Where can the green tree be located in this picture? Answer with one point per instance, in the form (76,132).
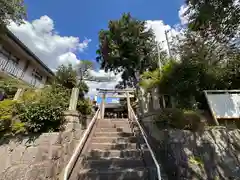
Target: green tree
(66,76)
(218,19)
(203,65)
(127,47)
(83,69)
(11,10)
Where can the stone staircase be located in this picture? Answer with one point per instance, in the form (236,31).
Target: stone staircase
(112,153)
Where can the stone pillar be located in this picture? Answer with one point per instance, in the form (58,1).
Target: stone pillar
(74,99)
(103,105)
(128,105)
(18,94)
(155,99)
(72,120)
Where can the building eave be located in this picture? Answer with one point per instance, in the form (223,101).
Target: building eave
(28,51)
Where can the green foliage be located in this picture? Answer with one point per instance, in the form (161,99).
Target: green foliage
(6,113)
(179,119)
(29,96)
(202,66)
(40,117)
(218,19)
(9,85)
(11,10)
(127,47)
(56,96)
(66,76)
(18,128)
(83,69)
(84,107)
(150,79)
(173,118)
(43,111)
(83,89)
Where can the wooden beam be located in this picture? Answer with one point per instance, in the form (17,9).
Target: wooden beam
(223,91)
(118,96)
(115,90)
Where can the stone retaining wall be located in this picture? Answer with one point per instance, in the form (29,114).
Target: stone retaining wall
(210,154)
(38,158)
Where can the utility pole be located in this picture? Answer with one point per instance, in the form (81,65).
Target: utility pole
(169,50)
(159,56)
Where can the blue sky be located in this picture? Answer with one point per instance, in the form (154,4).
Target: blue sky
(62,32)
(82,18)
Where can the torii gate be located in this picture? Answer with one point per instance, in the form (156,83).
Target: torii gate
(103,93)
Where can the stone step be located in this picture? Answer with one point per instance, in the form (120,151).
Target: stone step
(109,129)
(115,119)
(122,174)
(107,139)
(113,163)
(123,127)
(113,146)
(113,134)
(104,123)
(98,153)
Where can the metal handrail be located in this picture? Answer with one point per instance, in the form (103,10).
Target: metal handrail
(80,146)
(146,141)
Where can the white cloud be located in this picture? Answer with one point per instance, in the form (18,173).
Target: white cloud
(181,13)
(53,49)
(159,29)
(104,85)
(42,39)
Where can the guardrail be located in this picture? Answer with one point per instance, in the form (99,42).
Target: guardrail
(80,146)
(133,117)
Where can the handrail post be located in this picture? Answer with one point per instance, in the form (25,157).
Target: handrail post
(103,106)
(134,117)
(78,149)
(128,105)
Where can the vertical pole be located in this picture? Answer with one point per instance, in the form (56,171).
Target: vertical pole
(168,45)
(103,105)
(159,57)
(128,105)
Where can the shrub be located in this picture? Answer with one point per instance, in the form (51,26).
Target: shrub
(43,111)
(40,117)
(170,118)
(179,119)
(18,128)
(193,120)
(6,113)
(55,95)
(29,95)
(84,107)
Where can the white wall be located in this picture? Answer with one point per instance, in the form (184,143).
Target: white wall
(17,70)
(30,79)
(225,105)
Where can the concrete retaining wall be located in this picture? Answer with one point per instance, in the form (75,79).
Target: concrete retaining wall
(39,158)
